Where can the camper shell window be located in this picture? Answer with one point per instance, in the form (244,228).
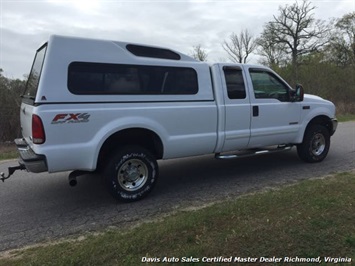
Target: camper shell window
(97,78)
(33,79)
(153,52)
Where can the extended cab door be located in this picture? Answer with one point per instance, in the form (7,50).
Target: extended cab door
(237,108)
(275,118)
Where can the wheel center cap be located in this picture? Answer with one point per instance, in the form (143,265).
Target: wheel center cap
(132,173)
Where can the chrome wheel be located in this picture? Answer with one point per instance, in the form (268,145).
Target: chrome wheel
(318,144)
(132,175)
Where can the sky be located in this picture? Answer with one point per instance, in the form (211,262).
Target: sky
(176,24)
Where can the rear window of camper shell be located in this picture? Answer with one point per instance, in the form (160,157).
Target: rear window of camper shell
(33,78)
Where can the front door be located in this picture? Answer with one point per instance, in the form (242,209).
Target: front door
(275,119)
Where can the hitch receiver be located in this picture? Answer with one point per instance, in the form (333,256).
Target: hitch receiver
(11,170)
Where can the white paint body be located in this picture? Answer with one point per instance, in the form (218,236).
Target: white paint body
(187,125)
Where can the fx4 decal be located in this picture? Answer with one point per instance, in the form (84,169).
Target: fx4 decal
(71,118)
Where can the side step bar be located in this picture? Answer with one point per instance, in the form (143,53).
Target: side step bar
(253,152)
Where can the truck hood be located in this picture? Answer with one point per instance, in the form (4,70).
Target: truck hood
(327,106)
(314,98)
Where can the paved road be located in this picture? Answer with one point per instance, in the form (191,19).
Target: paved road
(38,207)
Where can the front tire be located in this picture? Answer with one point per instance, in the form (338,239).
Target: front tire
(131,173)
(315,145)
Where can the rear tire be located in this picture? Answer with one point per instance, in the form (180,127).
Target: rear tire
(131,173)
(315,145)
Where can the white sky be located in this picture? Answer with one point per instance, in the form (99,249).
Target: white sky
(175,24)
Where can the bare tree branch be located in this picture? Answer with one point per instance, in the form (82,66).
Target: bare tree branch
(199,53)
(295,31)
(240,46)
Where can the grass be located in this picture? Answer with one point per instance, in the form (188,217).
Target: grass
(8,151)
(346,117)
(309,219)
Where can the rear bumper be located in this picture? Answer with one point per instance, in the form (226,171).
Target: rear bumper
(33,162)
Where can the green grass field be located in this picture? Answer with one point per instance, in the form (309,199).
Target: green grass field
(8,151)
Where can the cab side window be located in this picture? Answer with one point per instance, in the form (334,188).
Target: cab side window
(235,83)
(268,86)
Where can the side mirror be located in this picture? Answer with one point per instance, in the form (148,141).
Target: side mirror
(297,94)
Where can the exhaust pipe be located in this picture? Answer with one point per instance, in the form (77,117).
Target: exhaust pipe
(72,179)
(73,175)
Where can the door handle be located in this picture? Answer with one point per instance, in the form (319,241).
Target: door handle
(255,111)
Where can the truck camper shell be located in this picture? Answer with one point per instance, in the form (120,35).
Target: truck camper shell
(155,73)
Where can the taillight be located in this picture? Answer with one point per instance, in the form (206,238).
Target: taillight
(38,135)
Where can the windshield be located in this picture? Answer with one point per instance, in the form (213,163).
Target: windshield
(33,79)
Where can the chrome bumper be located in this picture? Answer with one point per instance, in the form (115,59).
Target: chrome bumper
(33,162)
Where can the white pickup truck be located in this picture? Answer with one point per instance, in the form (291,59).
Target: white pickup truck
(116,107)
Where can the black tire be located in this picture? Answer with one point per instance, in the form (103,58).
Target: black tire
(131,173)
(315,145)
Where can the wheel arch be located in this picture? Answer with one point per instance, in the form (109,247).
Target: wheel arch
(321,120)
(131,136)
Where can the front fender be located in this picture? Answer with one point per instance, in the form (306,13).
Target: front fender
(317,115)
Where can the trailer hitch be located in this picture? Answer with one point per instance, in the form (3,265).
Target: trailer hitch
(11,170)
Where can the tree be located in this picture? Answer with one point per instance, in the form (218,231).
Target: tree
(240,46)
(296,32)
(10,90)
(273,55)
(341,49)
(199,54)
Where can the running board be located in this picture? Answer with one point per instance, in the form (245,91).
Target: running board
(253,152)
